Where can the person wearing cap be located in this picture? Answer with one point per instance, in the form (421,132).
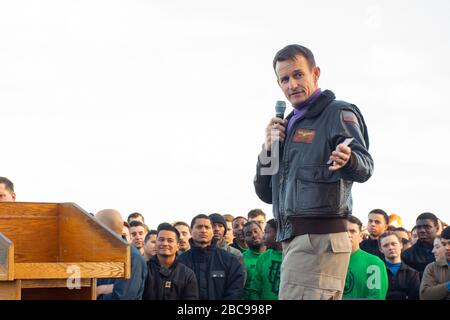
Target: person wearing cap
(220,230)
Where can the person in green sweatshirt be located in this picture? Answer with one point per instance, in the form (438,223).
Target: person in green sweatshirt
(266,280)
(254,239)
(366,275)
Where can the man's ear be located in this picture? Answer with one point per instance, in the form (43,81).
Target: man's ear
(13,196)
(316,74)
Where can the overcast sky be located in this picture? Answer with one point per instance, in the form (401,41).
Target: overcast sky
(160,106)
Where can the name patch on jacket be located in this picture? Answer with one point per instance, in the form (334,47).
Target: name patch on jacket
(304,135)
(349,116)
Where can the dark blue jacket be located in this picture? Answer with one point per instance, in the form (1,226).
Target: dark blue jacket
(404,285)
(128,289)
(219,274)
(301,187)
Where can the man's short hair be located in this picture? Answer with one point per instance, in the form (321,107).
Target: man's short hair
(352,219)
(150,233)
(429,216)
(387,234)
(126,224)
(240,217)
(248,224)
(446,234)
(254,213)
(8,184)
(381,212)
(199,216)
(181,223)
(135,215)
(228,217)
(136,223)
(290,51)
(168,227)
(271,223)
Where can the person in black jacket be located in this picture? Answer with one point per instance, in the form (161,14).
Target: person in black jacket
(167,278)
(421,253)
(306,170)
(378,221)
(404,282)
(219,274)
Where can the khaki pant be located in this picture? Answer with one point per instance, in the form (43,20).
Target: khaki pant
(314,267)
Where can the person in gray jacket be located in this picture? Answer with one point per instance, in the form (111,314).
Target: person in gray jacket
(306,169)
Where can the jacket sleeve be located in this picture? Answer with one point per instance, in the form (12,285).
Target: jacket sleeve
(429,288)
(349,123)
(131,289)
(191,287)
(262,181)
(235,280)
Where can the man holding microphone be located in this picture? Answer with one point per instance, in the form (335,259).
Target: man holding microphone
(306,170)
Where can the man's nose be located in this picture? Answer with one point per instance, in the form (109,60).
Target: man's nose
(293,84)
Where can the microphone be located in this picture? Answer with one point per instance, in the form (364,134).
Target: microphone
(280,106)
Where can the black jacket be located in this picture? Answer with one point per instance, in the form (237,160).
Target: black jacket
(219,274)
(404,285)
(176,283)
(302,186)
(371,246)
(418,256)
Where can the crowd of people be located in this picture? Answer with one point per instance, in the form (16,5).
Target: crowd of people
(219,256)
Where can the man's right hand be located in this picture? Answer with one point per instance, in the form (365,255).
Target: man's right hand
(275,131)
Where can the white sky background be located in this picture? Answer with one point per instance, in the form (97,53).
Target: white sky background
(160,106)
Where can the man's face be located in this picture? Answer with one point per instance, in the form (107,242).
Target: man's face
(426,230)
(446,244)
(166,243)
(150,245)
(185,235)
(6,195)
(376,225)
(391,247)
(254,237)
(260,220)
(126,234)
(137,236)
(269,236)
(229,235)
(202,232)
(238,225)
(354,235)
(218,230)
(296,79)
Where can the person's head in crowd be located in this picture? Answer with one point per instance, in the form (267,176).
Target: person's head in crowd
(126,232)
(438,248)
(441,226)
(136,216)
(219,226)
(414,236)
(445,242)
(137,233)
(238,226)
(364,233)
(405,237)
(229,235)
(202,232)
(258,216)
(391,246)
(354,226)
(167,242)
(185,234)
(254,236)
(150,244)
(112,219)
(427,227)
(270,235)
(395,220)
(7,193)
(378,221)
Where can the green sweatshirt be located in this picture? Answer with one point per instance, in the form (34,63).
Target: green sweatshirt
(266,279)
(366,277)
(250,258)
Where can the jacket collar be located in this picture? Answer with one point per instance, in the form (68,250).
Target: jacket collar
(211,246)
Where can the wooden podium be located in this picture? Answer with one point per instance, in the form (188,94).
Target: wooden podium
(56,251)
